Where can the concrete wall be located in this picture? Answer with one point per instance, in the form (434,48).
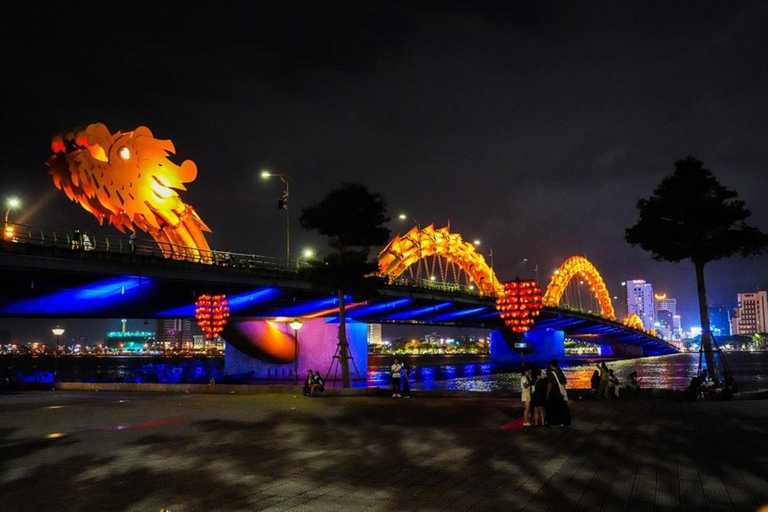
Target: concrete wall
(542,345)
(317,346)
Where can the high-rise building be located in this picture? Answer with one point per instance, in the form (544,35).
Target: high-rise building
(640,302)
(665,324)
(664,302)
(751,316)
(677,327)
(174,333)
(374,334)
(719,320)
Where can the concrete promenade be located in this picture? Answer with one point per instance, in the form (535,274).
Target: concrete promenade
(81,451)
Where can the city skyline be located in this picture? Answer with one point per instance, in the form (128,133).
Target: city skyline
(533,128)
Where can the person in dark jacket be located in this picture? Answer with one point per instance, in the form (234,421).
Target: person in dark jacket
(558,413)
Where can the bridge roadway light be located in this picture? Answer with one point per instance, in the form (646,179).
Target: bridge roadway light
(307,254)
(296,325)
(282,204)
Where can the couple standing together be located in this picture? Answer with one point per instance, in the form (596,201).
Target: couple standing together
(546,395)
(401,386)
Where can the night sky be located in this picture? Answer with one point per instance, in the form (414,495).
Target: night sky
(534,127)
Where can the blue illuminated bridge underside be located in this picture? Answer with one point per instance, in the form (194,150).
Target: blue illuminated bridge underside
(49,282)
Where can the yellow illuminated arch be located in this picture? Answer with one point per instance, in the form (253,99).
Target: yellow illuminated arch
(406,250)
(568,270)
(634,321)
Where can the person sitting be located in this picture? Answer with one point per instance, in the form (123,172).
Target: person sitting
(613,385)
(692,391)
(729,386)
(317,385)
(633,386)
(308,383)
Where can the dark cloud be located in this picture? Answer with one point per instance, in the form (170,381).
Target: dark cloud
(533,126)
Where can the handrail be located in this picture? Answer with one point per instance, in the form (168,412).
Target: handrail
(78,242)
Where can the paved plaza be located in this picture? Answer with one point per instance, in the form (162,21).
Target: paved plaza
(82,451)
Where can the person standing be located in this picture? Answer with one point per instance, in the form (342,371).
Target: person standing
(539,397)
(395,369)
(595,382)
(558,413)
(406,383)
(87,242)
(602,390)
(132,243)
(525,396)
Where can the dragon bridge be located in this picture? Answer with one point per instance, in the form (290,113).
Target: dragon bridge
(127,179)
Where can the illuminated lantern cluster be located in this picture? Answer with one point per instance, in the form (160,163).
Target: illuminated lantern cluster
(211,313)
(520,304)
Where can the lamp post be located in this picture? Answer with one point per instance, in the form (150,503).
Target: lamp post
(282,204)
(57,331)
(296,325)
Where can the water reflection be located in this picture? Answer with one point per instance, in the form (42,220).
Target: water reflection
(665,372)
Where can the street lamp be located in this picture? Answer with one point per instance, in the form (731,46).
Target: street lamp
(307,254)
(57,331)
(282,204)
(10,203)
(296,325)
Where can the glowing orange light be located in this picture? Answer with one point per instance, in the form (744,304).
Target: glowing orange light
(127,179)
(404,251)
(573,266)
(211,313)
(519,304)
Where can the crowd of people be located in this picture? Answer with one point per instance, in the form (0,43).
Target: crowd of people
(544,397)
(704,387)
(605,383)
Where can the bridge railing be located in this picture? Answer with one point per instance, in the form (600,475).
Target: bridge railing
(81,241)
(432,285)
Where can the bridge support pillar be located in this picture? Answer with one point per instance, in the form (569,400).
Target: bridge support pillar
(261,349)
(542,345)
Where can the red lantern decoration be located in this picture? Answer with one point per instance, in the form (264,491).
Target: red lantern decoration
(520,303)
(211,313)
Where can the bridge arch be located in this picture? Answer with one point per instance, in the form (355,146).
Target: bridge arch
(579,265)
(418,244)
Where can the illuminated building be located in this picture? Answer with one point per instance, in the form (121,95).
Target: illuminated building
(374,334)
(640,302)
(751,317)
(719,320)
(174,333)
(129,341)
(664,302)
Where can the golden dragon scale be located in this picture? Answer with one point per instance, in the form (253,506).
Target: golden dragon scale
(127,179)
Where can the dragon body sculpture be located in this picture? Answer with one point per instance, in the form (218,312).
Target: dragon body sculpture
(127,179)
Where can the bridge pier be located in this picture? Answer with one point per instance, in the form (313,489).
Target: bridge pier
(265,349)
(542,345)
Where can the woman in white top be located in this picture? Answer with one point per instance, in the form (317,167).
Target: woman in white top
(525,385)
(396,368)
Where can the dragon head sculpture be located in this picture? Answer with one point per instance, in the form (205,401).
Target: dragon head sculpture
(127,179)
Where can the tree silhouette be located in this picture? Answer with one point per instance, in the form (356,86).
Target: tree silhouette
(691,216)
(352,217)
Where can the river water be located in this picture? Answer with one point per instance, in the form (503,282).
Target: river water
(444,372)
(664,372)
